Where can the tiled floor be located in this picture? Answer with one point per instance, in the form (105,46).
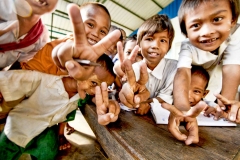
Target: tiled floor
(84,144)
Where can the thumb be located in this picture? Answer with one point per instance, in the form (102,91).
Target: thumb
(196,110)
(105,119)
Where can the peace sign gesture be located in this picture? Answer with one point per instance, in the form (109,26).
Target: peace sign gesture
(79,48)
(134,92)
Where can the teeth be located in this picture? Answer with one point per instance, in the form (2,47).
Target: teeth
(91,41)
(42,3)
(208,41)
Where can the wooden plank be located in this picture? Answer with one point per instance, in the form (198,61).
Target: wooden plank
(138,137)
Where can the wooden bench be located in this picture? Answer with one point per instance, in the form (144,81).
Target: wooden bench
(138,137)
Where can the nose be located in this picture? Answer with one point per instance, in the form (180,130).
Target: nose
(207,30)
(190,98)
(155,44)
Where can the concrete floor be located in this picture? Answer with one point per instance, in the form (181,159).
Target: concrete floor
(84,144)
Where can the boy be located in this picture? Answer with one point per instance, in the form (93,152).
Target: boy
(154,38)
(22,33)
(47,101)
(213,41)
(96,23)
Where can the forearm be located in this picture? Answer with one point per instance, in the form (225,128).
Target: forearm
(181,89)
(231,81)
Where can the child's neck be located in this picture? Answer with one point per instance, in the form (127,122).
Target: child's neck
(215,52)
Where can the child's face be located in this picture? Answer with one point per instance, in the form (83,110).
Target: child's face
(209,24)
(97,23)
(100,75)
(128,49)
(154,48)
(41,7)
(197,89)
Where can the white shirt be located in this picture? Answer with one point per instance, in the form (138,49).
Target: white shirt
(46,104)
(7,17)
(229,53)
(160,81)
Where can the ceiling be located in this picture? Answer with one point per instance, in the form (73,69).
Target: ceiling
(126,14)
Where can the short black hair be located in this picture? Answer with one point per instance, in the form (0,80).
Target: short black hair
(107,63)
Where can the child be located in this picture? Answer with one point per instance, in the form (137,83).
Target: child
(47,101)
(96,20)
(22,33)
(213,39)
(128,46)
(112,51)
(154,38)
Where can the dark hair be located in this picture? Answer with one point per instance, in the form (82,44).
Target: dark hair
(155,24)
(97,5)
(188,5)
(123,33)
(131,38)
(201,72)
(107,63)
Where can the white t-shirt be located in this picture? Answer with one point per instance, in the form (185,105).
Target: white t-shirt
(46,103)
(160,81)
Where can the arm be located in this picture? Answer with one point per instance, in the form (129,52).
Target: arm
(181,88)
(231,81)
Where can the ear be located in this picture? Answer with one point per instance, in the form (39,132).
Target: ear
(233,23)
(205,93)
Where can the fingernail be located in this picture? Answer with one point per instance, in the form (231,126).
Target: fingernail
(137,99)
(112,115)
(70,65)
(137,106)
(231,118)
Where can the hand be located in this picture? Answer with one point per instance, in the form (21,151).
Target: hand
(118,66)
(231,112)
(190,120)
(131,87)
(210,111)
(64,53)
(107,110)
(143,108)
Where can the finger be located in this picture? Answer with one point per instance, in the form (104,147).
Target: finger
(220,113)
(98,97)
(192,128)
(197,109)
(173,110)
(105,119)
(77,71)
(129,73)
(123,100)
(55,56)
(173,125)
(224,100)
(106,42)
(143,74)
(77,24)
(134,54)
(141,97)
(114,107)
(232,114)
(238,117)
(118,70)
(120,52)
(104,93)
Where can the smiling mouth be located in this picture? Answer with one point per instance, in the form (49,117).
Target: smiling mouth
(209,40)
(41,2)
(153,54)
(91,41)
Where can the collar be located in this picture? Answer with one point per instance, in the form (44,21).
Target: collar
(158,70)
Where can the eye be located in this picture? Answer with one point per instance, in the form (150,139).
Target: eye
(163,41)
(128,53)
(217,19)
(90,25)
(148,39)
(93,84)
(197,91)
(196,25)
(103,32)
